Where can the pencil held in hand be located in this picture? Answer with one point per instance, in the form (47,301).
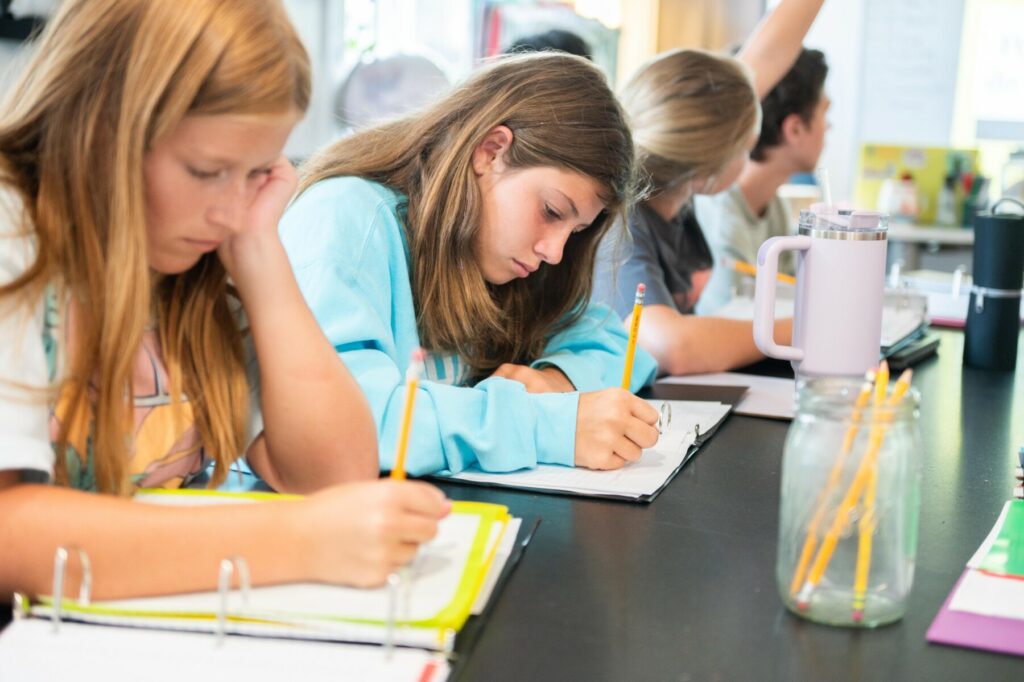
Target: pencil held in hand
(749,269)
(412,380)
(634,330)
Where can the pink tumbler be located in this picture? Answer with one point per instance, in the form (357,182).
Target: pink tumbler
(840,287)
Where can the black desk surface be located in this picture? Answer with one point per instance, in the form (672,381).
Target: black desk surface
(684,588)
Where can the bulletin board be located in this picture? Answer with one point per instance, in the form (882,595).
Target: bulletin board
(928,165)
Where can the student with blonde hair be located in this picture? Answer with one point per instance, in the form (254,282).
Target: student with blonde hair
(737,221)
(141,182)
(471,229)
(695,116)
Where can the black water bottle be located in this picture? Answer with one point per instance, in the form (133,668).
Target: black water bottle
(993,312)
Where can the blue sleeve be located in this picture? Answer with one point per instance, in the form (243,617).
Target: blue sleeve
(592,352)
(350,263)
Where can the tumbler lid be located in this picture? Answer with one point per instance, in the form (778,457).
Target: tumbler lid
(831,223)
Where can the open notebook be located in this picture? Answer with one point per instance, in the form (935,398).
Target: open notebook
(689,423)
(449,581)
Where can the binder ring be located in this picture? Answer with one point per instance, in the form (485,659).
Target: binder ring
(19,606)
(394,580)
(60,562)
(227,569)
(665,417)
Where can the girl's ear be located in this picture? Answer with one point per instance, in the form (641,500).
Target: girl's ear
(488,155)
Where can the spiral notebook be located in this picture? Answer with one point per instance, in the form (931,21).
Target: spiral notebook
(450,580)
(686,426)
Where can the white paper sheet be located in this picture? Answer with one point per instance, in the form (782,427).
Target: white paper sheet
(506,545)
(634,480)
(768,396)
(990,595)
(30,651)
(435,576)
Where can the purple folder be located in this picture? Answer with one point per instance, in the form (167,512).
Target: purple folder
(974,631)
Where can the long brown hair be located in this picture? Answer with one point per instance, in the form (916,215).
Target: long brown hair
(109,79)
(562,114)
(691,112)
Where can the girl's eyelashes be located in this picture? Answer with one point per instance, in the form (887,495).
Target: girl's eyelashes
(202,174)
(551,213)
(214,174)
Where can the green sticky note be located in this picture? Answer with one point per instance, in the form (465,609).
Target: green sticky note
(1006,555)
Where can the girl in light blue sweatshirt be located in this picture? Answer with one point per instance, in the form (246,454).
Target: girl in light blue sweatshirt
(471,229)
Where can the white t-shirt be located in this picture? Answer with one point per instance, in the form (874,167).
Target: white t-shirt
(24,413)
(166,445)
(734,232)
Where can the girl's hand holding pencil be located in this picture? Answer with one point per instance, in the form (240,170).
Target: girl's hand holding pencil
(359,533)
(613,427)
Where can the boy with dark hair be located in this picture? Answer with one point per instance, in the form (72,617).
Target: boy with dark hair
(737,221)
(555,39)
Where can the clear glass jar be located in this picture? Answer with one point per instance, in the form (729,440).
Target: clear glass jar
(850,493)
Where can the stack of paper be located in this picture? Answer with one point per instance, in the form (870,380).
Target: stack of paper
(986,608)
(640,480)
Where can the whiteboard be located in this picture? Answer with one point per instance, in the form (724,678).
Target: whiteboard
(998,79)
(911,52)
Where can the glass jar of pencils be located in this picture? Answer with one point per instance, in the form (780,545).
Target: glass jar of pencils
(849,501)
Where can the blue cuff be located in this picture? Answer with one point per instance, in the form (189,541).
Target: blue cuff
(584,373)
(556,427)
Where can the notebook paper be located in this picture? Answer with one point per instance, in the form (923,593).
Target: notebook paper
(441,587)
(771,397)
(30,650)
(635,480)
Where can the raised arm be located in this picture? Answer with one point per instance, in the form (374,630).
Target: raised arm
(318,429)
(775,43)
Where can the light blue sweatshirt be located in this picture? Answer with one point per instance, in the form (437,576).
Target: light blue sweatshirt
(347,246)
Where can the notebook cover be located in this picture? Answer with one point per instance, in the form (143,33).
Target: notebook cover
(975,631)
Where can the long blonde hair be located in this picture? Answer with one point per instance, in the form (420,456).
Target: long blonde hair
(109,79)
(562,114)
(691,112)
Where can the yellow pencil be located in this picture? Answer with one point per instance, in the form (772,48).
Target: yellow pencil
(853,493)
(833,480)
(750,269)
(866,527)
(634,330)
(412,380)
